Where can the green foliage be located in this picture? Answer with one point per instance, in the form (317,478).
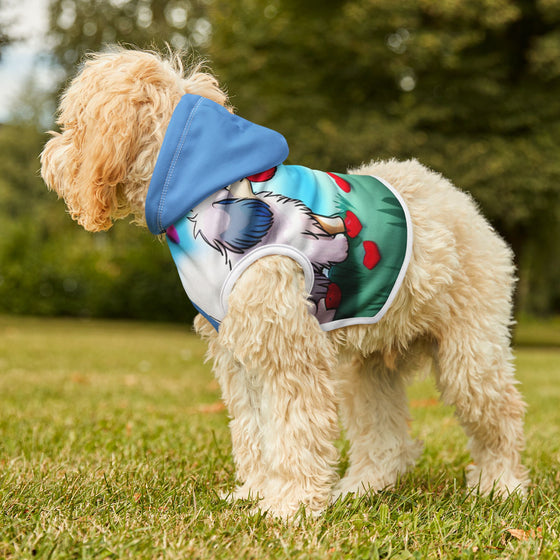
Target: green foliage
(118,274)
(50,266)
(5,38)
(79,26)
(471,89)
(114,445)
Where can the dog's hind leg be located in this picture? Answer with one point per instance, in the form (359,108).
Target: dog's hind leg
(474,373)
(375,414)
(286,427)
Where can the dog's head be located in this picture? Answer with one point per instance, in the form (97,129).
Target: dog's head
(113,117)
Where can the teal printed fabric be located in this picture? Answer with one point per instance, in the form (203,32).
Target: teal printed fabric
(351,234)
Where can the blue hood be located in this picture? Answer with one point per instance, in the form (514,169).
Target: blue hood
(205,149)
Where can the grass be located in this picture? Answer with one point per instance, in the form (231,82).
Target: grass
(113,444)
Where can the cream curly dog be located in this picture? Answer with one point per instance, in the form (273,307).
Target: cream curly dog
(286,362)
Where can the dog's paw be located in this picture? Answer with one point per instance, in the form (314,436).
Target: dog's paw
(243,492)
(497,481)
(293,512)
(373,474)
(358,486)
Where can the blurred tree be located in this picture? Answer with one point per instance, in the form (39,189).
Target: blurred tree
(5,22)
(471,89)
(19,182)
(6,37)
(50,266)
(80,26)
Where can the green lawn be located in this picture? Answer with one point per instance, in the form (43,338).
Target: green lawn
(113,444)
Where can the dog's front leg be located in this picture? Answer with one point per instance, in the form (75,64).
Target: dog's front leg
(285,424)
(241,393)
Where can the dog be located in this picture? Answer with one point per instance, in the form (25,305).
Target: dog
(287,367)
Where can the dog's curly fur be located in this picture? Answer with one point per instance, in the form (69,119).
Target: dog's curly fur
(284,380)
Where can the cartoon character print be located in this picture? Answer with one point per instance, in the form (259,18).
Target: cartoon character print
(236,220)
(352,235)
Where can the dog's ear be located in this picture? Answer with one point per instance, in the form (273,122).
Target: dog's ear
(113,118)
(89,162)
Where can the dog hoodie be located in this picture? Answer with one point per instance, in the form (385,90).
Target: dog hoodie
(223,195)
